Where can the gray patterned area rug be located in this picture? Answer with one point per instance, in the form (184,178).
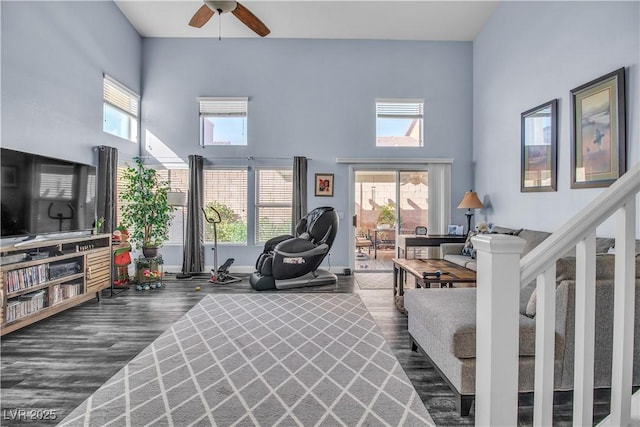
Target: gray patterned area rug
(370,280)
(262,359)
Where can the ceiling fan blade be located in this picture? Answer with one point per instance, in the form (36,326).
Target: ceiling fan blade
(250,20)
(201,16)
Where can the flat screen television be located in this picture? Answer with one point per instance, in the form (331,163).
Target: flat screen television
(42,195)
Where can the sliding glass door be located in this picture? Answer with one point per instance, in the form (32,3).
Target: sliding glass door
(388,203)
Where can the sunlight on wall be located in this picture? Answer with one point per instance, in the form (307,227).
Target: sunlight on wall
(163,154)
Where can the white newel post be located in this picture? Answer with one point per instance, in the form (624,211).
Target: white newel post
(497,328)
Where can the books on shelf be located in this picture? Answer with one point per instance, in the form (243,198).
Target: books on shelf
(25,305)
(27,277)
(64,291)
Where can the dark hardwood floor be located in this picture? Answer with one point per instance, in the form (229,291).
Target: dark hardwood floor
(55,364)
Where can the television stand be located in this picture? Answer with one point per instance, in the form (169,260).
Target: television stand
(43,276)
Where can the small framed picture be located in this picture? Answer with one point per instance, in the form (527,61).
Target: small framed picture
(456,230)
(324,184)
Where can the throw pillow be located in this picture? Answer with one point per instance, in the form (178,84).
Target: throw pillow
(467,249)
(531,305)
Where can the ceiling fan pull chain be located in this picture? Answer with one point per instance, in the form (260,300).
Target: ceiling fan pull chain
(219,24)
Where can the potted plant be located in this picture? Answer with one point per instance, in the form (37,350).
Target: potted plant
(145,212)
(387,216)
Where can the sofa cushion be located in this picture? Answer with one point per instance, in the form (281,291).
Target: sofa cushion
(461,260)
(472,265)
(566,270)
(450,315)
(532,238)
(605,267)
(603,245)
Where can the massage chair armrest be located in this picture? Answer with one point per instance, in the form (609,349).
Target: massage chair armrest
(294,246)
(270,244)
(314,251)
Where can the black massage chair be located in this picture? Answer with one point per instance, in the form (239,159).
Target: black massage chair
(293,261)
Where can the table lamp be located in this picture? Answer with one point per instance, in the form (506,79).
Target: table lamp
(470,201)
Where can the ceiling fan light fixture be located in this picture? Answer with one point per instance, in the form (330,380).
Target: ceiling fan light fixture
(221,6)
(244,15)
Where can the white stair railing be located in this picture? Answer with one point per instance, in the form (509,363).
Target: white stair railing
(500,266)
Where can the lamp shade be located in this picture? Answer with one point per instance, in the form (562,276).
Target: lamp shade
(177,198)
(470,201)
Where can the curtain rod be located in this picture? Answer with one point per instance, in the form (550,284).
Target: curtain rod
(250,158)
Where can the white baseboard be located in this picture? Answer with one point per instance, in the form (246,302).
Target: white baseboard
(243,269)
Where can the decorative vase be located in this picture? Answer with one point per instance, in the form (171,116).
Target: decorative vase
(150,251)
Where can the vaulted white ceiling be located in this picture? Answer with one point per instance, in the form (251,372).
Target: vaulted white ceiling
(318,19)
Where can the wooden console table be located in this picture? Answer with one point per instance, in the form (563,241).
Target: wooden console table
(434,240)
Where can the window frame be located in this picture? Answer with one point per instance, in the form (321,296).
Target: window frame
(112,89)
(402,107)
(223,107)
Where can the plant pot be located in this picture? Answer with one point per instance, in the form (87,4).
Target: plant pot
(150,251)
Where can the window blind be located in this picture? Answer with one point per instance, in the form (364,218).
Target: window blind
(121,97)
(224,107)
(226,191)
(400,109)
(274,192)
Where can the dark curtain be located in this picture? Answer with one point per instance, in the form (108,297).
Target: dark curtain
(299,201)
(193,250)
(107,194)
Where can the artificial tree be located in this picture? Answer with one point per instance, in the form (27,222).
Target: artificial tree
(145,209)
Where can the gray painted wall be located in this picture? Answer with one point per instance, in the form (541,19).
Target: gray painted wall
(308,97)
(529,53)
(53,57)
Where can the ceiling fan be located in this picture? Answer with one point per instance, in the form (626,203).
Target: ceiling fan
(210,7)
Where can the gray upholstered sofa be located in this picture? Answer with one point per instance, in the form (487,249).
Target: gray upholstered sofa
(453,251)
(442,323)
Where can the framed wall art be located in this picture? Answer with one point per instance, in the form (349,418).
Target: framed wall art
(598,131)
(539,141)
(324,184)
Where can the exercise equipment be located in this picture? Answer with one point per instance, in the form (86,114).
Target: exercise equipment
(219,275)
(292,261)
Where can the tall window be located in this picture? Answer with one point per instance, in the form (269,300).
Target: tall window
(399,122)
(274,193)
(223,121)
(225,190)
(121,110)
